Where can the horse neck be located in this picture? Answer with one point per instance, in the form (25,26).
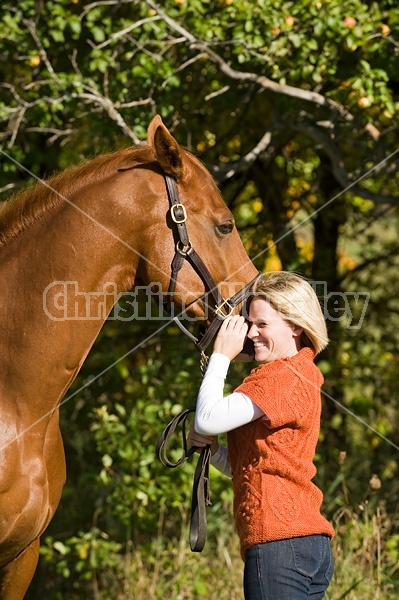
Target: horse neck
(41,351)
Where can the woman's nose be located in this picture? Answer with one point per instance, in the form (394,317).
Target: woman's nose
(252,331)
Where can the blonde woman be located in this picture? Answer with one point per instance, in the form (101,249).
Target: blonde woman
(272,422)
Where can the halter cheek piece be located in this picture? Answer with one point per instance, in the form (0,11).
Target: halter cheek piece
(221,308)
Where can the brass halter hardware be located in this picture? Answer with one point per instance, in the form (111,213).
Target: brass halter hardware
(219,310)
(174,209)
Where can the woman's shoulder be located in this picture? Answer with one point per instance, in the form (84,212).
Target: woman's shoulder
(298,366)
(304,357)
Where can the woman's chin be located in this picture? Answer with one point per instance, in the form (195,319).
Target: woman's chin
(263,355)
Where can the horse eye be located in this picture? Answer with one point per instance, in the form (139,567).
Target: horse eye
(226,227)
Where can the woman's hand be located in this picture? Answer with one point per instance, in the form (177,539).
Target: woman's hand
(198,440)
(231,337)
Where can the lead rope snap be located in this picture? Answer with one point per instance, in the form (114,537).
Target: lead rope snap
(204,359)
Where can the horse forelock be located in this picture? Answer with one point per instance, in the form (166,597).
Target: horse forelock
(31,204)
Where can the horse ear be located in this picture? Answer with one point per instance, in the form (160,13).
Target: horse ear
(167,151)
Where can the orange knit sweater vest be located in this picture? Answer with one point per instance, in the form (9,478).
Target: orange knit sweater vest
(272,457)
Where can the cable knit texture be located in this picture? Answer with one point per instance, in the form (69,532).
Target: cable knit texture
(272,457)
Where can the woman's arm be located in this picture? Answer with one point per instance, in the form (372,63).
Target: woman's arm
(219,454)
(216,413)
(221,461)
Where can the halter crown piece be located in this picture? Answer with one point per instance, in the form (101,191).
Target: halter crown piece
(223,307)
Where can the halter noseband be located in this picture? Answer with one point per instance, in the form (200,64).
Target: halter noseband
(223,307)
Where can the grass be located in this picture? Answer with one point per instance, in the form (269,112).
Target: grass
(366,564)
(162,567)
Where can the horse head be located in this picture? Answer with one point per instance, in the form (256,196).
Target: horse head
(210,231)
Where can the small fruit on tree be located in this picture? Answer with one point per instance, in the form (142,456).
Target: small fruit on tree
(350,22)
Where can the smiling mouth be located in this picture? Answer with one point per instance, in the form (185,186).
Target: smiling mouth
(259,345)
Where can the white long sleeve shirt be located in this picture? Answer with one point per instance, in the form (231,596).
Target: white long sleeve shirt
(216,414)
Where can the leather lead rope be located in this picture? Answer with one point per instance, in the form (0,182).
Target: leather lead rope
(201,488)
(200,500)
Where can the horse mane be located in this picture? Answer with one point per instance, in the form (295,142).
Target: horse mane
(29,205)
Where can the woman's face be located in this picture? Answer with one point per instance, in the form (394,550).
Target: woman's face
(273,337)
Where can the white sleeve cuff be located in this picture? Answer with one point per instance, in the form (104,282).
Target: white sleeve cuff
(220,460)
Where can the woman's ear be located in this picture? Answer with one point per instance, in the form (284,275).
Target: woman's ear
(297,331)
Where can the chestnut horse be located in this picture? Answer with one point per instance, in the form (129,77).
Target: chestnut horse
(104,222)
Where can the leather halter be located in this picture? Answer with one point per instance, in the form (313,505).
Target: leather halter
(223,307)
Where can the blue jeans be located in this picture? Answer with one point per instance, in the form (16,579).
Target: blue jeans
(293,569)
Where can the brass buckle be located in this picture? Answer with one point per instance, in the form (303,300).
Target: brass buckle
(182,249)
(219,307)
(175,218)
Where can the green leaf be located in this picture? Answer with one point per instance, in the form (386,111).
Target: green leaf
(60,548)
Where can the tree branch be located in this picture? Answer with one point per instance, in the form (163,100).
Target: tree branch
(8,187)
(89,96)
(92,5)
(261,80)
(345,180)
(389,256)
(42,53)
(125,31)
(228,171)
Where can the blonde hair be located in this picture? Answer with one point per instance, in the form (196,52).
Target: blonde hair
(296,302)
